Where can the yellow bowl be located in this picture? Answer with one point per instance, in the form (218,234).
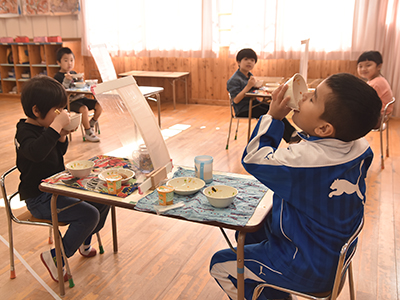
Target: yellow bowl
(80,168)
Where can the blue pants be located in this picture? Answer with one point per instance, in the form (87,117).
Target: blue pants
(84,219)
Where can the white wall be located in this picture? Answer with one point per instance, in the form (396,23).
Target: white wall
(65,26)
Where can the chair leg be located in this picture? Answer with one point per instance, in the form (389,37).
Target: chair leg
(387,138)
(381,144)
(237,129)
(50,235)
(70,279)
(229,134)
(83,132)
(351,282)
(11,248)
(97,127)
(100,244)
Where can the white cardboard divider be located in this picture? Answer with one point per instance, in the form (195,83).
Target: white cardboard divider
(103,62)
(144,119)
(304,58)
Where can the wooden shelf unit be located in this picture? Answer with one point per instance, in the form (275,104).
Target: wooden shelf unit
(41,60)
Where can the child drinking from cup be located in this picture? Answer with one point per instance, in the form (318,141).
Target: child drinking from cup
(318,185)
(41,143)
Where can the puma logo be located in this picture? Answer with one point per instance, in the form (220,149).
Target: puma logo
(261,272)
(340,186)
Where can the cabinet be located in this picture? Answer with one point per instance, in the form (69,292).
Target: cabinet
(21,61)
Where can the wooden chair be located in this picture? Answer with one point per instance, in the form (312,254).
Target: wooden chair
(385,126)
(26,218)
(344,266)
(233,116)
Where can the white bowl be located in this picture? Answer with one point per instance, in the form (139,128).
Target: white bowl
(80,84)
(80,168)
(186,185)
(259,83)
(126,174)
(77,76)
(220,195)
(91,81)
(75,121)
(297,88)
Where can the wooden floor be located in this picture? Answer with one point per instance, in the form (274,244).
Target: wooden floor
(160,258)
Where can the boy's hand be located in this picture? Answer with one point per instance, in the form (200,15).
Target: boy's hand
(278,108)
(252,82)
(68,76)
(60,121)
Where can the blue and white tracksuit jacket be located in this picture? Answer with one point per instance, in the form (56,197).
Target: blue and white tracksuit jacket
(318,202)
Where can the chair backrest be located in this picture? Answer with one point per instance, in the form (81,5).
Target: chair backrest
(24,218)
(103,62)
(345,259)
(344,263)
(387,106)
(7,198)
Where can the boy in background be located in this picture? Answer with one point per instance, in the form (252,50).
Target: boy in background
(319,189)
(369,66)
(242,82)
(41,143)
(79,103)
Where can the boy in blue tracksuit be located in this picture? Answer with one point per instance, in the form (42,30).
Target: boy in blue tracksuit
(318,184)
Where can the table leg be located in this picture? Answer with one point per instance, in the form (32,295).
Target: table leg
(114,228)
(68,108)
(173,91)
(57,243)
(240,265)
(250,111)
(186,96)
(159,109)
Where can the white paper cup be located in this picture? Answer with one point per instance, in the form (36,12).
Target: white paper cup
(297,88)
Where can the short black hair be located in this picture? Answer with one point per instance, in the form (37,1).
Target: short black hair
(353,107)
(61,52)
(44,92)
(246,52)
(374,56)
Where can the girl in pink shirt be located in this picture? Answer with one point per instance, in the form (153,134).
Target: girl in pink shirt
(369,66)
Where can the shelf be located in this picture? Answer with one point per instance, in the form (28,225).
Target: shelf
(9,79)
(7,65)
(38,65)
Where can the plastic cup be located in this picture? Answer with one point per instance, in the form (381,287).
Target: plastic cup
(114,184)
(203,165)
(165,195)
(297,88)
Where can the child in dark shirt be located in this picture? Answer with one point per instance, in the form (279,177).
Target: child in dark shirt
(79,103)
(242,82)
(41,143)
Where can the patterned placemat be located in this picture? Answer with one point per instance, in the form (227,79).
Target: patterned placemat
(197,207)
(92,182)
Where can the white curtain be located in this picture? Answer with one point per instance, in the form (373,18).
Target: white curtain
(340,29)
(277,27)
(174,28)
